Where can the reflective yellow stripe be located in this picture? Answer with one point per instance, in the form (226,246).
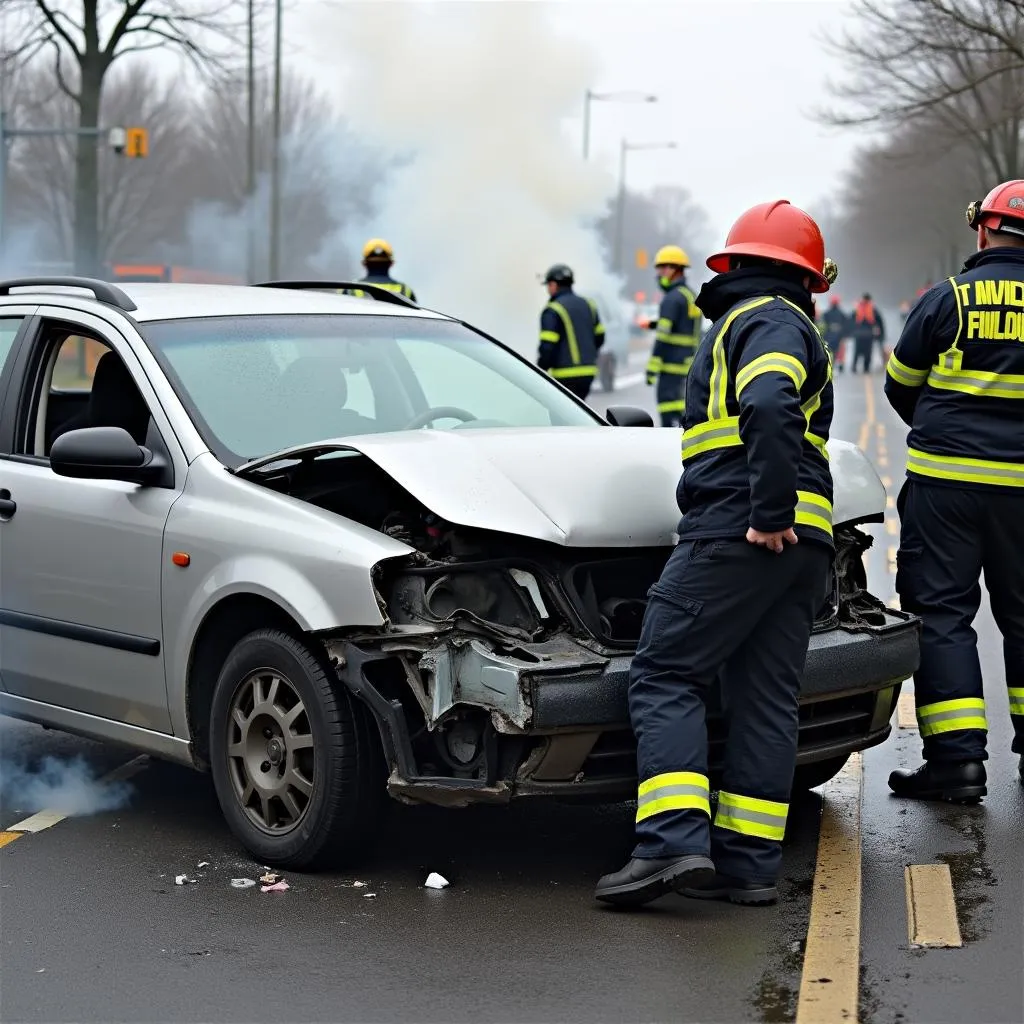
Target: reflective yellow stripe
(681,369)
(978,382)
(719,371)
(710,436)
(813,510)
(654,364)
(977,471)
(549,336)
(751,816)
(725,433)
(574,371)
(673,791)
(664,324)
(1017,700)
(951,716)
(599,329)
(679,406)
(905,375)
(570,334)
(771,362)
(687,340)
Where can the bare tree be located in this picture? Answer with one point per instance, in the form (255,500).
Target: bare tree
(139,201)
(955,65)
(84,45)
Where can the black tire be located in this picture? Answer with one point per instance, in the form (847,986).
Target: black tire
(606,373)
(345,802)
(810,776)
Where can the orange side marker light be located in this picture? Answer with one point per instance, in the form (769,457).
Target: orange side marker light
(181,558)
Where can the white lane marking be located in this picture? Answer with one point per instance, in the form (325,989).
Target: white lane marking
(830,983)
(48,818)
(906,713)
(931,907)
(630,380)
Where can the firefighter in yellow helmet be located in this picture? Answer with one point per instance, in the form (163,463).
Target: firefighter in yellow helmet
(677,333)
(378,258)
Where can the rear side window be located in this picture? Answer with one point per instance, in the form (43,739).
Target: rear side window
(9,326)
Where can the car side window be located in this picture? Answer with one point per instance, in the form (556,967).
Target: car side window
(9,327)
(81,382)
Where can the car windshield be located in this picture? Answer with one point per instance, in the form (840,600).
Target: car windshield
(257,384)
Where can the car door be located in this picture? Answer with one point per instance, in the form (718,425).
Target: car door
(80,609)
(13,322)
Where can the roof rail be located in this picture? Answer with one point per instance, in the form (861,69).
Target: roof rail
(374,290)
(103,291)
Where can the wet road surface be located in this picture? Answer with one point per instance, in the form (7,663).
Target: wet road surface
(94,928)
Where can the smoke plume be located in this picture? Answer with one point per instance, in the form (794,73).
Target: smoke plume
(67,786)
(475,95)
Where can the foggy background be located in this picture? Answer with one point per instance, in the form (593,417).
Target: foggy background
(454,130)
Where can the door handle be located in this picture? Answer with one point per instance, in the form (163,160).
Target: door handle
(7,505)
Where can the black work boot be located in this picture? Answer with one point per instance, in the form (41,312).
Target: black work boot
(735,890)
(642,880)
(959,782)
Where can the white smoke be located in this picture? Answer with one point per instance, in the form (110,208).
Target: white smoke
(476,94)
(67,786)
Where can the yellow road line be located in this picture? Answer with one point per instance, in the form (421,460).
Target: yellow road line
(890,501)
(883,460)
(886,482)
(880,430)
(894,602)
(892,557)
(869,399)
(906,715)
(8,837)
(831,973)
(892,527)
(931,907)
(862,439)
(48,818)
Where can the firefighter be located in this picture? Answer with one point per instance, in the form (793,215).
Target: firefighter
(740,591)
(378,259)
(956,378)
(835,325)
(571,333)
(867,329)
(677,334)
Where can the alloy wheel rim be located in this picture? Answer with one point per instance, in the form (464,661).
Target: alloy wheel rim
(270,751)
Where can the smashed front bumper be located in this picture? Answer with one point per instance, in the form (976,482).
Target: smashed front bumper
(565,708)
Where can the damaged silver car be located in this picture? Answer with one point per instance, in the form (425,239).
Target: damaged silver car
(332,549)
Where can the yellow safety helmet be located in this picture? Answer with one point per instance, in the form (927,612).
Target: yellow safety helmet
(671,255)
(377,248)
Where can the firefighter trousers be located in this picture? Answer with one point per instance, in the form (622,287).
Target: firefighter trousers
(671,398)
(728,610)
(862,353)
(579,386)
(949,537)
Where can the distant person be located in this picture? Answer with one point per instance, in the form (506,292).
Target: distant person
(677,334)
(867,329)
(835,323)
(571,334)
(378,259)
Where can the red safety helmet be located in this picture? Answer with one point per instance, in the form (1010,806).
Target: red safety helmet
(783,232)
(1004,202)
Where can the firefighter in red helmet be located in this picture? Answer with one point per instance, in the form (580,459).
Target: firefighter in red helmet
(956,378)
(739,593)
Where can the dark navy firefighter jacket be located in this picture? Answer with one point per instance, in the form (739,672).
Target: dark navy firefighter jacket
(758,413)
(956,376)
(571,333)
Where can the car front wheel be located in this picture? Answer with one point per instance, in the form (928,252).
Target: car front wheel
(293,760)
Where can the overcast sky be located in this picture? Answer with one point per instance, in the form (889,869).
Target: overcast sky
(736,81)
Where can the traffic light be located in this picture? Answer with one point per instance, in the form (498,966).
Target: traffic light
(641,258)
(136,142)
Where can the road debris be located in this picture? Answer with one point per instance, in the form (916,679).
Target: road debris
(242,883)
(203,864)
(435,881)
(369,895)
(269,878)
(184,880)
(281,886)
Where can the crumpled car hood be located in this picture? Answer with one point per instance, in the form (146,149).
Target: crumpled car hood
(575,486)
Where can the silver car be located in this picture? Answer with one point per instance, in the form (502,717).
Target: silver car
(332,549)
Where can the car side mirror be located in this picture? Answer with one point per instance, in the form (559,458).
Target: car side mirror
(104,453)
(628,416)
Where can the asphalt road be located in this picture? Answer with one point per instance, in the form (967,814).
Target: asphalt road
(94,928)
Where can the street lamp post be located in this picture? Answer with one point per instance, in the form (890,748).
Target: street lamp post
(620,205)
(275,153)
(621,97)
